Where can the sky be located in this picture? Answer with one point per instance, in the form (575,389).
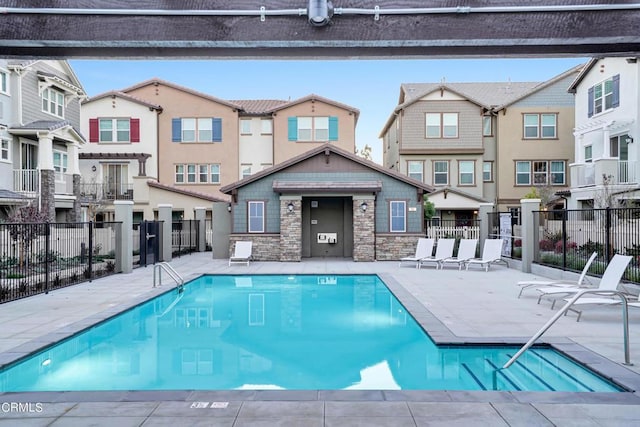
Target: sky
(371,86)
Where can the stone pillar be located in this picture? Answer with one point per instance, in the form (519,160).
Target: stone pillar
(124,242)
(364,225)
(483,213)
(221,229)
(290,228)
(76,212)
(47,194)
(200,214)
(164,215)
(529,225)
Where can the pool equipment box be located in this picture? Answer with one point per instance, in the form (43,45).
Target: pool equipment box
(331,238)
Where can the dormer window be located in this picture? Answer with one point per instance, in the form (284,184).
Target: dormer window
(53,102)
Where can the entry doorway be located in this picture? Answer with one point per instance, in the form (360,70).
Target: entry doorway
(327,227)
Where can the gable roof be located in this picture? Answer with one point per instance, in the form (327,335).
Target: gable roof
(461,193)
(327,149)
(575,70)
(156,81)
(74,80)
(47,125)
(487,95)
(314,97)
(126,96)
(585,70)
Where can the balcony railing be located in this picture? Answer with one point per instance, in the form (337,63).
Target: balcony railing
(97,192)
(586,174)
(26,181)
(627,171)
(622,171)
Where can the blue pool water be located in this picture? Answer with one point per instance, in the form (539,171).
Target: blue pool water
(282,332)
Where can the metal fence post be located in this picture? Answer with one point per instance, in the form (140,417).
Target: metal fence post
(47,248)
(90,254)
(607,234)
(564,239)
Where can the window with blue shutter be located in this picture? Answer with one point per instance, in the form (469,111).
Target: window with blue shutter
(176,130)
(293,128)
(217,129)
(616,91)
(333,128)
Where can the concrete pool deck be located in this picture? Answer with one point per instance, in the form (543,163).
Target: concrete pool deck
(455,306)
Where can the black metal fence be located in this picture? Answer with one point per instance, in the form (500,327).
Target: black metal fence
(567,238)
(184,237)
(37,258)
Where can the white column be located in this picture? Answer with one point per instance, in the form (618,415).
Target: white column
(73,162)
(124,243)
(483,213)
(529,234)
(165,215)
(45,151)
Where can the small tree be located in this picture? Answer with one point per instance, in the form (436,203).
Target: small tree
(429,209)
(25,225)
(365,152)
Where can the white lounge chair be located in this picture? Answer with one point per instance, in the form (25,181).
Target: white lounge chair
(424,249)
(444,249)
(466,251)
(491,254)
(526,284)
(609,282)
(241,253)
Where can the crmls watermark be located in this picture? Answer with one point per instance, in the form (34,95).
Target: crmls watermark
(20,407)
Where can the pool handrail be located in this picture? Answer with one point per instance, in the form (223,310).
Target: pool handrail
(159,267)
(566,307)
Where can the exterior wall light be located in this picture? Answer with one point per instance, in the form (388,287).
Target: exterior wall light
(93,168)
(229,207)
(319,12)
(290,207)
(364,206)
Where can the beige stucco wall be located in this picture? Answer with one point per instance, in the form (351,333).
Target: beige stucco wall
(285,149)
(176,104)
(512,147)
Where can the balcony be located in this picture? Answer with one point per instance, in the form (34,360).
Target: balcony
(105,192)
(26,182)
(590,174)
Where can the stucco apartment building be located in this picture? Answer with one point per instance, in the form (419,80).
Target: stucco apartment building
(481,142)
(188,144)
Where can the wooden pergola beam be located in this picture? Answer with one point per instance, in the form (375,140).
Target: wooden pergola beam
(139,31)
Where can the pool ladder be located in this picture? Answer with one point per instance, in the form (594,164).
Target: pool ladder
(157,274)
(567,307)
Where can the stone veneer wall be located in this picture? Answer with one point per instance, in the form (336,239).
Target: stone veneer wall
(266,247)
(47,192)
(290,230)
(363,232)
(76,212)
(393,246)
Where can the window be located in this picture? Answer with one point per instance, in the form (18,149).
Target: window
(203,173)
(4,149)
(466,172)
(214,170)
(59,164)
(319,129)
(588,154)
(540,126)
(604,96)
(397,217)
(557,173)
(440,173)
(191,174)
(415,169)
(486,126)
(487,171)
(189,129)
(245,126)
(179,174)
(441,125)
(266,126)
(523,173)
(205,130)
(4,82)
(115,130)
(256,217)
(246,170)
(541,172)
(53,102)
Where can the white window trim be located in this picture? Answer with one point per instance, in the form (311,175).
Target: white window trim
(56,91)
(603,97)
(114,130)
(415,162)
(529,173)
(404,216)
(212,166)
(255,202)
(441,125)
(539,126)
(490,164)
(7,150)
(440,173)
(473,173)
(313,137)
(63,169)
(7,82)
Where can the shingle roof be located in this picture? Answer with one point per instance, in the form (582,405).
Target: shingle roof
(199,195)
(116,93)
(44,125)
(258,106)
(484,93)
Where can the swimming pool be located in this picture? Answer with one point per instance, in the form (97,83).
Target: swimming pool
(282,332)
